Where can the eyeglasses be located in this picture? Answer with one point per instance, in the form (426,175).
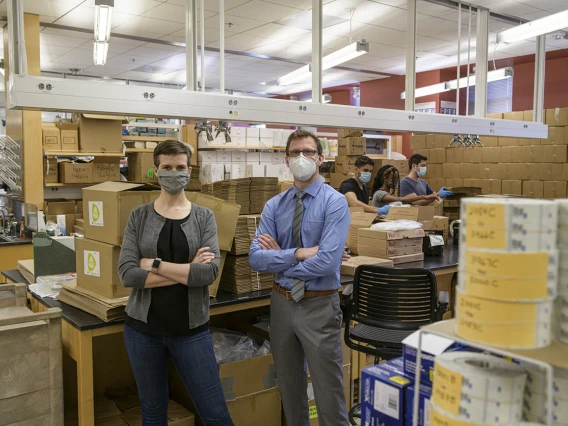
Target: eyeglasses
(306,152)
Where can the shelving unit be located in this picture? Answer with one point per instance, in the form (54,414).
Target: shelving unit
(81,154)
(244,148)
(154,125)
(138,150)
(146,138)
(59,184)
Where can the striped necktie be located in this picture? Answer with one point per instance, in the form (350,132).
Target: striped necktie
(297,284)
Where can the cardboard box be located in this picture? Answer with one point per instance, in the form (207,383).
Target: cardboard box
(512,187)
(533,154)
(69,136)
(454,183)
(557,117)
(442,140)
(436,183)
(529,142)
(550,171)
(491,186)
(423,152)
(472,155)
(450,170)
(100,133)
(50,170)
(348,267)
(104,170)
(257,409)
(189,136)
(508,141)
(358,220)
(491,155)
(556,136)
(533,188)
(248,376)
(109,206)
(51,137)
(417,142)
(454,155)
(255,170)
(556,153)
(391,235)
(76,172)
(495,115)
(55,207)
(437,156)
(435,171)
(556,189)
(514,115)
(516,171)
(352,146)
(512,154)
(423,405)
(565,172)
(365,250)
(407,258)
(336,179)
(97,268)
(430,141)
(345,164)
(141,167)
(415,213)
(349,133)
(489,141)
(489,171)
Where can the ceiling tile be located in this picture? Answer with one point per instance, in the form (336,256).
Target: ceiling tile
(57,40)
(172,12)
(51,49)
(241,42)
(235,24)
(67,33)
(103,70)
(47,8)
(84,17)
(148,27)
(77,58)
(175,62)
(277,32)
(137,7)
(213,6)
(512,7)
(264,11)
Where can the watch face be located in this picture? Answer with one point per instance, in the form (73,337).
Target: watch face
(155,264)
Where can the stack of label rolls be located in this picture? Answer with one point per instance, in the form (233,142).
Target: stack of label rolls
(562,302)
(535,409)
(477,389)
(508,278)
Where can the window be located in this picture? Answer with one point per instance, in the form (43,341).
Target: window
(499,96)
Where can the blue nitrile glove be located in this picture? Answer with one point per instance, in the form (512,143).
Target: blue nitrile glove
(444,192)
(384,210)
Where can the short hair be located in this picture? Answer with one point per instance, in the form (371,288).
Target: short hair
(416,159)
(301,134)
(363,161)
(171,147)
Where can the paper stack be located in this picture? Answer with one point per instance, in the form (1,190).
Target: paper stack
(262,190)
(194,184)
(95,304)
(239,278)
(243,237)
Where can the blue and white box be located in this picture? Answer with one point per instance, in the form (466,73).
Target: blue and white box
(384,394)
(423,405)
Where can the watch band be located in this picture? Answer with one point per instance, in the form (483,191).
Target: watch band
(156,265)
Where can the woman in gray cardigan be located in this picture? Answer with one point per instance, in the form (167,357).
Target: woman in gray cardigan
(169,257)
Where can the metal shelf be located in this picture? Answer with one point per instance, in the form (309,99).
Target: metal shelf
(147,138)
(242,148)
(81,154)
(59,184)
(139,150)
(154,125)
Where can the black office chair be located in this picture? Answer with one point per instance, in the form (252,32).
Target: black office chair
(388,305)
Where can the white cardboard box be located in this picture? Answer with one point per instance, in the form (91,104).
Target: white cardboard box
(270,170)
(278,158)
(207,157)
(255,170)
(239,157)
(253,133)
(268,142)
(238,171)
(266,133)
(211,173)
(224,157)
(253,157)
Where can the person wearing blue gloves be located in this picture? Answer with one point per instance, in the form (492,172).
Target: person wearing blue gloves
(355,188)
(413,184)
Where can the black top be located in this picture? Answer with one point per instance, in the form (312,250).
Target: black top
(169,309)
(351,185)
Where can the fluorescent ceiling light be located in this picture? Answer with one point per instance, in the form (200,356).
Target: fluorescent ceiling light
(340,56)
(103,19)
(100,51)
(495,75)
(534,28)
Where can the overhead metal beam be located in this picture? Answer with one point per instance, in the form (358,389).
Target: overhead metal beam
(190,45)
(410,83)
(481,57)
(222,46)
(503,17)
(539,70)
(316,66)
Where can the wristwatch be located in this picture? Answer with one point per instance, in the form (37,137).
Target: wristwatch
(156,265)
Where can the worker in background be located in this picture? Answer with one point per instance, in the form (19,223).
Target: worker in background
(413,184)
(385,185)
(301,238)
(355,188)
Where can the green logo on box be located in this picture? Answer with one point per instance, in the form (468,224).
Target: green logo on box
(95,213)
(92,263)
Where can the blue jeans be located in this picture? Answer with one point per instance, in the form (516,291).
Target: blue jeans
(194,359)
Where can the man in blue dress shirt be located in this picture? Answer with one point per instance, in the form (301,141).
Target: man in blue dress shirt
(301,238)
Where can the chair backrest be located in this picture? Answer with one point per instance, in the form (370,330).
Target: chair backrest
(400,299)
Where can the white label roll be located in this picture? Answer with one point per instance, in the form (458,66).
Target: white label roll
(535,408)
(508,289)
(562,213)
(507,239)
(536,381)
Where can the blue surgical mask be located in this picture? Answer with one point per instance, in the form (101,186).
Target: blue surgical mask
(365,177)
(421,172)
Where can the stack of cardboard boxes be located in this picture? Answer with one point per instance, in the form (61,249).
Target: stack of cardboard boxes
(216,166)
(397,246)
(535,168)
(65,213)
(350,145)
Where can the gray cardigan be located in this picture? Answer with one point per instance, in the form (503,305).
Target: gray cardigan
(141,241)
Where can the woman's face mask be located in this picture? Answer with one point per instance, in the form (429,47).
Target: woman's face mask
(173,181)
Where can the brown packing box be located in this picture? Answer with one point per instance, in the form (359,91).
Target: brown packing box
(417,142)
(371,251)
(489,141)
(491,154)
(51,137)
(50,170)
(472,155)
(358,220)
(69,136)
(247,376)
(108,206)
(467,171)
(437,156)
(533,188)
(189,136)
(391,235)
(436,183)
(442,140)
(528,115)
(345,163)
(97,268)
(349,133)
(508,141)
(336,179)
(106,170)
(434,171)
(423,152)
(406,258)
(533,154)
(257,409)
(454,155)
(352,146)
(496,115)
(348,267)
(141,167)
(555,189)
(556,153)
(512,154)
(491,186)
(415,213)
(550,171)
(450,170)
(514,115)
(400,165)
(512,187)
(514,171)
(100,133)
(565,172)
(529,142)
(455,182)
(54,207)
(489,171)
(69,220)
(78,230)
(430,141)
(75,172)
(556,136)
(557,117)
